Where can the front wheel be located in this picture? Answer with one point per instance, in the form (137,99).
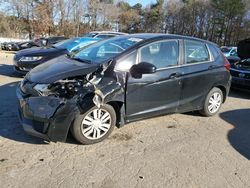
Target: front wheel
(95,125)
(212,103)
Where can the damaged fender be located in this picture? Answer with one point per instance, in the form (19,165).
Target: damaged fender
(106,93)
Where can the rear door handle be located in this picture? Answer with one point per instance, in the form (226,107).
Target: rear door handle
(175,75)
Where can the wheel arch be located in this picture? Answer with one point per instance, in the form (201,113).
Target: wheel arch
(120,112)
(224,92)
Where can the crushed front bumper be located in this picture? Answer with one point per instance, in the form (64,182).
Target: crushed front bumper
(48,118)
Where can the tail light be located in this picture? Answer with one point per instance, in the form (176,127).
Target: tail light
(227,64)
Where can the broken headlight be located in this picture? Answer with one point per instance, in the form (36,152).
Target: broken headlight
(62,88)
(42,89)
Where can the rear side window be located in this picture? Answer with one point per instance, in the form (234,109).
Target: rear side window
(195,52)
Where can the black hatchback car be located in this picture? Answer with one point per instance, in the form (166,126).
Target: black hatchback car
(121,80)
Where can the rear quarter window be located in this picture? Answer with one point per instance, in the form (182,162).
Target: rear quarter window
(216,52)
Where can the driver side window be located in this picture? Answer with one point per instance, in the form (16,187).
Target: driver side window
(162,54)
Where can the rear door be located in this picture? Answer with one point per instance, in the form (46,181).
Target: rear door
(197,77)
(157,93)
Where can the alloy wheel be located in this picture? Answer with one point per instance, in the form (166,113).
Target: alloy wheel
(214,102)
(96,124)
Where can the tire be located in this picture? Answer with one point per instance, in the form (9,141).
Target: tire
(212,103)
(94,125)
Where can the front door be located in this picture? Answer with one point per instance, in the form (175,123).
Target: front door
(157,93)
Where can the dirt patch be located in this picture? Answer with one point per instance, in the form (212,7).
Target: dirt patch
(121,136)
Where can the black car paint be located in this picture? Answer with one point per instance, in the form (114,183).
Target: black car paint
(53,40)
(241,74)
(59,68)
(133,98)
(47,53)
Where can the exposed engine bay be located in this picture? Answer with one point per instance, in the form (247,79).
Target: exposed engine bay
(243,65)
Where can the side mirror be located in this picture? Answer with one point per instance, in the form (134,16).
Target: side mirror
(142,68)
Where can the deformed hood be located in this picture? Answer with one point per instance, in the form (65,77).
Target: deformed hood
(243,49)
(59,68)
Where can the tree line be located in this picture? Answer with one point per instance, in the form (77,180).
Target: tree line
(224,22)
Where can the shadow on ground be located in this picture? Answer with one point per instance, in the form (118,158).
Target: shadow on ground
(239,94)
(239,136)
(7,70)
(10,127)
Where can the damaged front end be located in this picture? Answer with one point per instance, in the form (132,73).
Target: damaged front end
(48,110)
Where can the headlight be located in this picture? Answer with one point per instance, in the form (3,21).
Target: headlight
(42,89)
(35,58)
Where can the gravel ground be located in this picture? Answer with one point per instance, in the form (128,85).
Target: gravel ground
(181,150)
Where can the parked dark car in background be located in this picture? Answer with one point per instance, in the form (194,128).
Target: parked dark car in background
(16,46)
(233,59)
(240,70)
(39,42)
(4,46)
(230,53)
(229,50)
(53,40)
(25,60)
(120,80)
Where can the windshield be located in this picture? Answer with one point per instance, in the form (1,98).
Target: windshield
(75,44)
(65,43)
(106,49)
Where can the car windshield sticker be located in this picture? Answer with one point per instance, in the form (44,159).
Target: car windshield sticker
(135,39)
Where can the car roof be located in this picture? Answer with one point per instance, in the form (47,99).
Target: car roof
(109,32)
(167,36)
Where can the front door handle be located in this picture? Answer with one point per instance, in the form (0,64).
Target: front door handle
(175,75)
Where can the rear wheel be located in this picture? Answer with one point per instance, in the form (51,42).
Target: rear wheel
(212,103)
(95,125)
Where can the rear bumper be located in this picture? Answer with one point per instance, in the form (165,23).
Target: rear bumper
(46,117)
